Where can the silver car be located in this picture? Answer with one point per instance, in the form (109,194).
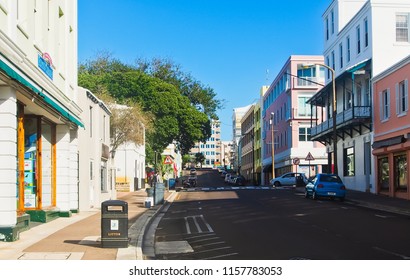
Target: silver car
(289,179)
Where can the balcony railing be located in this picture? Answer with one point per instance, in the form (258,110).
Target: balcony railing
(357,112)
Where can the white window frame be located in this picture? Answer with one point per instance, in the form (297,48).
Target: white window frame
(384,99)
(366,33)
(402,97)
(407,15)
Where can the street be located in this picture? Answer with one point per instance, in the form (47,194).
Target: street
(277,224)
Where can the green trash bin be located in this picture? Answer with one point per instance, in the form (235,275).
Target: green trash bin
(114,224)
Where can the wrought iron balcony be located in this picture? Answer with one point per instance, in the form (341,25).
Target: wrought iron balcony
(353,118)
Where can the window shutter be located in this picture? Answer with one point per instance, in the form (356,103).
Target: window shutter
(381,105)
(397,99)
(388,103)
(406,93)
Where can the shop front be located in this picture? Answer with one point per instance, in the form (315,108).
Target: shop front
(38,154)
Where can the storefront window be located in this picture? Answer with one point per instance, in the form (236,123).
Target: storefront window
(384,173)
(30,162)
(400,172)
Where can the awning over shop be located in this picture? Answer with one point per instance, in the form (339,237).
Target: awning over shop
(389,142)
(12,71)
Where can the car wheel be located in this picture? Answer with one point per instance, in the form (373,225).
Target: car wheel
(314,196)
(276,184)
(306,194)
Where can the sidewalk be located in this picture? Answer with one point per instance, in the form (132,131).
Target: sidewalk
(376,202)
(78,237)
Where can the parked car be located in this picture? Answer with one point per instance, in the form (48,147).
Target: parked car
(289,179)
(227,177)
(326,185)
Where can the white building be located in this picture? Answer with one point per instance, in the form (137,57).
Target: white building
(39,117)
(211,149)
(361,39)
(96,174)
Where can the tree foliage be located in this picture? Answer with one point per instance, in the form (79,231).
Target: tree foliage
(199,158)
(157,98)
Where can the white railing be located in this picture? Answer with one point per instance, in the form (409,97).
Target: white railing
(358,112)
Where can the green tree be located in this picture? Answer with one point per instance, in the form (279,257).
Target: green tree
(172,114)
(199,158)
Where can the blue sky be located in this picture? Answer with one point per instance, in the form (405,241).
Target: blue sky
(226,45)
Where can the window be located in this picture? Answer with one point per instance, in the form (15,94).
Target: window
(91,170)
(103,176)
(332,15)
(366,33)
(304,134)
(327,28)
(385,104)
(402,27)
(348,161)
(341,55)
(348,49)
(328,64)
(333,60)
(358,39)
(303,107)
(384,173)
(402,97)
(306,74)
(400,172)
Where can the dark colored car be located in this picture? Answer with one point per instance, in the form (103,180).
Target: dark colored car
(326,185)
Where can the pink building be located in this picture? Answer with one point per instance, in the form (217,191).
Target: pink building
(391,147)
(286,112)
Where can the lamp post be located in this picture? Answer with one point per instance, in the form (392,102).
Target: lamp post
(334,136)
(272,145)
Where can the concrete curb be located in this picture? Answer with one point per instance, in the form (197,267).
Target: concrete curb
(142,226)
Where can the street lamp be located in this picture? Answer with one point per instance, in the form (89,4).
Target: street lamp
(335,169)
(272,145)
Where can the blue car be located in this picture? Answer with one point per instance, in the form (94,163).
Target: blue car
(326,185)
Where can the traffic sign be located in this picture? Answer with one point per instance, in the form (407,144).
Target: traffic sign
(296,161)
(168,160)
(309,157)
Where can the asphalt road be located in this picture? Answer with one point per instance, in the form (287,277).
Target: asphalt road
(276,224)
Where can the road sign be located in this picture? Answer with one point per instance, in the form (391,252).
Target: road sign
(168,160)
(296,161)
(309,157)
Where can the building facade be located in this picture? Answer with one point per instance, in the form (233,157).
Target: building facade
(38,112)
(96,173)
(246,144)
(237,115)
(211,149)
(362,38)
(391,146)
(287,120)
